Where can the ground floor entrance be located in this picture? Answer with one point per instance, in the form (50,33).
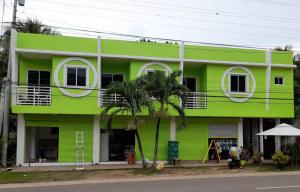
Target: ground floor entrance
(52,138)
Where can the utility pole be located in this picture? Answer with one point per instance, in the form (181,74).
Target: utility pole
(6,92)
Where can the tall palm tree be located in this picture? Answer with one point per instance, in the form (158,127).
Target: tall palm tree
(163,88)
(133,101)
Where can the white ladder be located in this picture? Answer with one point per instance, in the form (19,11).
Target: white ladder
(79,150)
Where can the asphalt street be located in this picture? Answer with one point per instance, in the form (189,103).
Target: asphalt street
(286,183)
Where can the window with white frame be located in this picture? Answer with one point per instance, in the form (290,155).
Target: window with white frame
(238,83)
(278,80)
(76,76)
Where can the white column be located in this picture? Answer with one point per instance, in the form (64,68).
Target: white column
(240,133)
(20,140)
(14,65)
(261,138)
(173,129)
(99,70)
(277,138)
(32,142)
(96,140)
(268,76)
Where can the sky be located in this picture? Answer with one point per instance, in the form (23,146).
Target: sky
(259,23)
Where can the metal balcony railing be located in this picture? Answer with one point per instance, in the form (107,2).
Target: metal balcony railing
(196,100)
(33,95)
(107,99)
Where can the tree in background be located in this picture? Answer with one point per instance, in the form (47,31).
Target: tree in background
(25,26)
(164,89)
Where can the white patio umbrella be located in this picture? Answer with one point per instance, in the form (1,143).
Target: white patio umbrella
(281,130)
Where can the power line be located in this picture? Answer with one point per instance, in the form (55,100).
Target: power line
(168,16)
(96,89)
(92,30)
(174,25)
(289,4)
(148,4)
(174,40)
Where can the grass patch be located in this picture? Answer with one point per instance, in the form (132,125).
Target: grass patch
(28,177)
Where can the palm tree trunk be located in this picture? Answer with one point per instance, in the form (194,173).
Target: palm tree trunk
(156,143)
(140,148)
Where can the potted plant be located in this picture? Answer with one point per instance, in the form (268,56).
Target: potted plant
(257,157)
(280,160)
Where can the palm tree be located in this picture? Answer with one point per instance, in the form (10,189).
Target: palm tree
(163,88)
(133,101)
(25,26)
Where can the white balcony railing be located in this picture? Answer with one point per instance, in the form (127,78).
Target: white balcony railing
(196,100)
(107,99)
(33,95)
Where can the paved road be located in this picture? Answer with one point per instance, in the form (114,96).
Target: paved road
(286,183)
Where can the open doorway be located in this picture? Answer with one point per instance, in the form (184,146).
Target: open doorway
(42,144)
(269,141)
(121,142)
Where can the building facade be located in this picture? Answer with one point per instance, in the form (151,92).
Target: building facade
(58,83)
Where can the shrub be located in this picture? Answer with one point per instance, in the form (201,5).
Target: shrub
(257,157)
(280,160)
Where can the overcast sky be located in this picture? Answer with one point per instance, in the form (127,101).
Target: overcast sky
(241,22)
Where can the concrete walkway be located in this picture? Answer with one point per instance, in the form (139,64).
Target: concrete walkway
(114,166)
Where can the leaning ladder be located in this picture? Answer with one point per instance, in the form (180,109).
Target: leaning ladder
(79,150)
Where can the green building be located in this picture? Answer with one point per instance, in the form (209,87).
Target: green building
(58,83)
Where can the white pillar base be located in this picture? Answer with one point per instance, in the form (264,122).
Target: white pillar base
(261,138)
(96,140)
(277,138)
(20,140)
(240,133)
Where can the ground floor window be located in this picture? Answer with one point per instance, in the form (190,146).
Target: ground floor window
(41,144)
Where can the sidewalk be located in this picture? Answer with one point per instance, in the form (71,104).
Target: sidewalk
(122,166)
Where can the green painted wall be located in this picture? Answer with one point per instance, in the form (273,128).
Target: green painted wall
(58,43)
(147,134)
(67,125)
(224,54)
(193,141)
(140,48)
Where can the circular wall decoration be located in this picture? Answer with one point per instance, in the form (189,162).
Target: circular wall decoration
(247,95)
(147,65)
(63,89)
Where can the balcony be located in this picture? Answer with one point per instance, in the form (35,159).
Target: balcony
(107,99)
(196,100)
(33,95)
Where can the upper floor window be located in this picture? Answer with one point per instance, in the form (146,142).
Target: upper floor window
(38,77)
(190,83)
(278,80)
(238,83)
(76,76)
(107,79)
